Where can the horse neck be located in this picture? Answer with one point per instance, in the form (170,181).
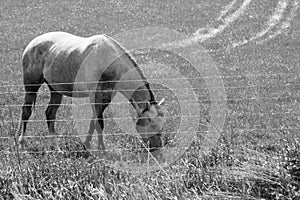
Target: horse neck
(137,92)
(141,97)
(132,83)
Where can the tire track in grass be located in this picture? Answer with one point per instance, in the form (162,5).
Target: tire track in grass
(285,25)
(276,24)
(200,34)
(228,8)
(272,23)
(203,34)
(296,26)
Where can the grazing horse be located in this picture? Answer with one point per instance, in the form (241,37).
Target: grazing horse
(96,67)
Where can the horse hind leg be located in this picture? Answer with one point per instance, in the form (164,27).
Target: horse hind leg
(54,103)
(29,102)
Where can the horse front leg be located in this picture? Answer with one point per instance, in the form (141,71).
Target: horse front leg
(95,123)
(98,124)
(99,102)
(89,136)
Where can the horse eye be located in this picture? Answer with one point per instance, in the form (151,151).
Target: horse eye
(147,108)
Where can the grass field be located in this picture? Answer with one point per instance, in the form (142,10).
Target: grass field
(258,155)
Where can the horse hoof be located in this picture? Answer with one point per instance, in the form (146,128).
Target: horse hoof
(100,154)
(86,145)
(20,146)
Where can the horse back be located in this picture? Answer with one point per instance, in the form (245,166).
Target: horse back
(74,65)
(56,58)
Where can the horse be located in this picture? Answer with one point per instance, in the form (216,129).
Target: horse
(96,67)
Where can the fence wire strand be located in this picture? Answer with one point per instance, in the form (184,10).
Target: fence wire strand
(159,89)
(136,134)
(166,117)
(278,98)
(156,79)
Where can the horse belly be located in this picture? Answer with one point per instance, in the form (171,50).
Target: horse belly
(80,90)
(68,86)
(62,72)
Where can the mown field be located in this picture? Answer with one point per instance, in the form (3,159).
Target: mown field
(256,157)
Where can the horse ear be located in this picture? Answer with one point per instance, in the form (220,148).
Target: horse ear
(161,101)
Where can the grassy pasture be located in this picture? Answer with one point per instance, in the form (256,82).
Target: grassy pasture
(257,156)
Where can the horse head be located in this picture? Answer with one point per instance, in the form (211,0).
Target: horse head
(150,124)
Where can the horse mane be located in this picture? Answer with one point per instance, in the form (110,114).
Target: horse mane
(130,57)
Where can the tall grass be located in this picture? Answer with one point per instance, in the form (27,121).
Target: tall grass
(227,172)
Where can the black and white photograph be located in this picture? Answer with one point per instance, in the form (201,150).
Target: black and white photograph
(149,99)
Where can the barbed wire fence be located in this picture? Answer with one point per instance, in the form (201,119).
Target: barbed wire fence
(271,107)
(277,98)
